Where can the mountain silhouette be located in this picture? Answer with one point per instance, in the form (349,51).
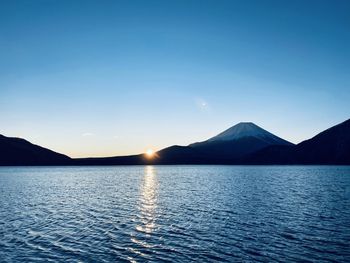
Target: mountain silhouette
(244,143)
(171,155)
(238,141)
(17,151)
(331,146)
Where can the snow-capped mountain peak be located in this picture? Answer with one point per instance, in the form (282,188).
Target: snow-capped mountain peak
(245,129)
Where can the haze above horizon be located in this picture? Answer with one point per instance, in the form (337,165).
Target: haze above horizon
(106,78)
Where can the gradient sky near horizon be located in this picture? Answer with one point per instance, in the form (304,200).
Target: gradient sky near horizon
(103,78)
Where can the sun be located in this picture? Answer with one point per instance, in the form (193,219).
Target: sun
(149,153)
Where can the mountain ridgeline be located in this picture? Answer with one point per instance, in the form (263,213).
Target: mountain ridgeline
(17,151)
(244,143)
(331,146)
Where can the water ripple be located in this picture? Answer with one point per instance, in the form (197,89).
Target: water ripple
(175,214)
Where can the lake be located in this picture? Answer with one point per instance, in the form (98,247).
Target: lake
(175,214)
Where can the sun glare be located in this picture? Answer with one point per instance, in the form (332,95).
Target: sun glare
(149,153)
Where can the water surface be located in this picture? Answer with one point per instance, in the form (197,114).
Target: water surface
(175,214)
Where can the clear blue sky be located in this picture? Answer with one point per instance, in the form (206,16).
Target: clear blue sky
(99,78)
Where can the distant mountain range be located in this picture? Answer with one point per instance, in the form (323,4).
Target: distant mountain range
(244,143)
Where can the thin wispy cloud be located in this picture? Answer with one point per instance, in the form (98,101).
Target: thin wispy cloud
(87,134)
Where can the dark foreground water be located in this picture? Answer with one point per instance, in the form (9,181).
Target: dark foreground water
(175,214)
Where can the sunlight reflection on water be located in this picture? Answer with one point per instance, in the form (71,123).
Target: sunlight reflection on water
(147,208)
(148,201)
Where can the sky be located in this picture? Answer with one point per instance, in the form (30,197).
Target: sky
(105,78)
